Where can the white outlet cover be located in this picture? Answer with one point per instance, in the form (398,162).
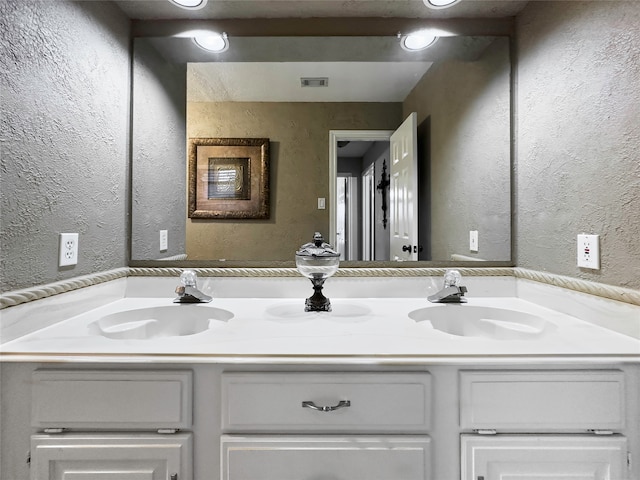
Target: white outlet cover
(589,251)
(473,240)
(68,249)
(164,240)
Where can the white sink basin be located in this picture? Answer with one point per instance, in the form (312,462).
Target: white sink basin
(488,322)
(167,321)
(294,313)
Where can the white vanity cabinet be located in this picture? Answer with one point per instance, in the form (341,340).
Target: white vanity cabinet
(259,421)
(77,412)
(305,426)
(501,405)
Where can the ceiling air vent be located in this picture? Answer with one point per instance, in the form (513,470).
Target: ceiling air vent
(314,82)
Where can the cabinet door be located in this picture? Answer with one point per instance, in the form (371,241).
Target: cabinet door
(111,457)
(543,457)
(325,457)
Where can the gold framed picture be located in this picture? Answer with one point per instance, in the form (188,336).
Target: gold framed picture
(229,178)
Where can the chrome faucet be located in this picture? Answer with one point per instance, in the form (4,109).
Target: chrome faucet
(452,292)
(188,292)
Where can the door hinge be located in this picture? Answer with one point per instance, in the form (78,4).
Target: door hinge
(601,432)
(54,430)
(628,460)
(167,431)
(485,431)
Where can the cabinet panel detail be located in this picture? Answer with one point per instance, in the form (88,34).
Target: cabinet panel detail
(111,457)
(132,400)
(540,457)
(311,458)
(535,401)
(326,402)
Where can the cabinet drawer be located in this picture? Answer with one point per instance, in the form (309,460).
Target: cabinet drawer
(358,402)
(542,400)
(311,458)
(111,399)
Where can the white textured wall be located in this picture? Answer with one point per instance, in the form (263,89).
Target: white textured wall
(578,137)
(63,137)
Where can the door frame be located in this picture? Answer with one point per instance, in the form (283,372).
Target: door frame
(334,137)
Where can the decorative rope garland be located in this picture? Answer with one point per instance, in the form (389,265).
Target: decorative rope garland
(610,292)
(342,272)
(620,294)
(17,297)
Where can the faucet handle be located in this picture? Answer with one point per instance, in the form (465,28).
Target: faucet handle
(452,278)
(189,278)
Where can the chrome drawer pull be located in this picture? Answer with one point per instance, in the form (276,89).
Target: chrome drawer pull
(313,406)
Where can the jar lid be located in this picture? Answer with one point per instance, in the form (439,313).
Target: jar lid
(317,248)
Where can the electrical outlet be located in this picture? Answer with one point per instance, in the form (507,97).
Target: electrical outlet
(164,240)
(68,249)
(473,240)
(589,251)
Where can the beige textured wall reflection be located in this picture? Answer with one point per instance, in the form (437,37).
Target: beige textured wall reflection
(467,104)
(299,135)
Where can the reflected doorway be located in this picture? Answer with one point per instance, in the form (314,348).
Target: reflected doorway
(358,230)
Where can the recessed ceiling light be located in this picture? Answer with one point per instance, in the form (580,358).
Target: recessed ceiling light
(439,3)
(212,41)
(418,40)
(189,4)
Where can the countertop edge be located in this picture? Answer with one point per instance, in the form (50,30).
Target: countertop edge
(362,360)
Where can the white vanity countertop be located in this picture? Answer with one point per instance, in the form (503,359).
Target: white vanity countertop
(358,330)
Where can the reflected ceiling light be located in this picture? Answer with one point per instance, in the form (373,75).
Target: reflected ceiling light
(418,40)
(439,3)
(189,4)
(212,41)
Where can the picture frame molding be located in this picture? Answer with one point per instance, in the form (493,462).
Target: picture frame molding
(257,207)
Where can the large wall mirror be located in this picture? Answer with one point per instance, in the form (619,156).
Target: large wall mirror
(328,105)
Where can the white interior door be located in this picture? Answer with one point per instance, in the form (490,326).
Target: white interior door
(347,217)
(341,216)
(403,208)
(368,215)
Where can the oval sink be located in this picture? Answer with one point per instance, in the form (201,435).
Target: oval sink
(156,322)
(488,322)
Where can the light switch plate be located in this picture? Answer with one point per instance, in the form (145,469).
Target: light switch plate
(589,251)
(321,203)
(164,240)
(473,240)
(68,249)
